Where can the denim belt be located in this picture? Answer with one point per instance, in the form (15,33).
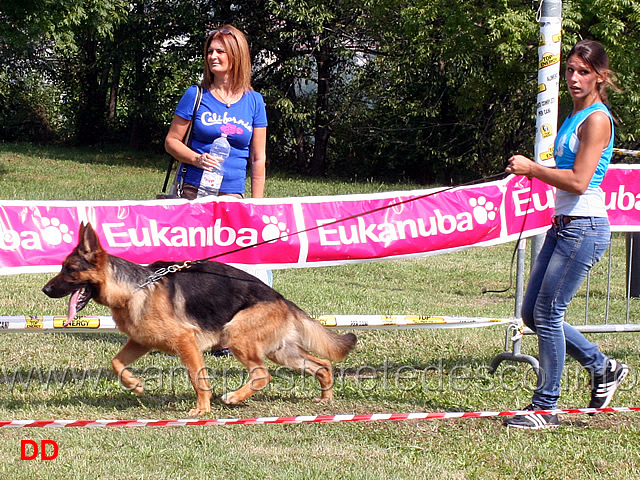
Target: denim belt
(561,220)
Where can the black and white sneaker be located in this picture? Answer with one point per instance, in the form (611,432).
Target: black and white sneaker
(604,386)
(533,421)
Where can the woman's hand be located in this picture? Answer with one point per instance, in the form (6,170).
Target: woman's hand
(521,165)
(206,162)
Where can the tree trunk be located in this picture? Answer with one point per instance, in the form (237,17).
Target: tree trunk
(113,95)
(90,118)
(301,158)
(136,131)
(321,133)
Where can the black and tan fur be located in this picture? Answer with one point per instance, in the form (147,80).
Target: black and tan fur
(184,313)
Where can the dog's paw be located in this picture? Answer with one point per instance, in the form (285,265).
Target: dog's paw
(138,390)
(135,388)
(323,399)
(198,412)
(229,399)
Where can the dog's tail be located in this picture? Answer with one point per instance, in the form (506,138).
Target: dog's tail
(320,340)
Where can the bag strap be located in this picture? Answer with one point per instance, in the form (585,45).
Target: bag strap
(188,136)
(196,105)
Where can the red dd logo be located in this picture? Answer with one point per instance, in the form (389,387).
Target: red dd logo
(29,450)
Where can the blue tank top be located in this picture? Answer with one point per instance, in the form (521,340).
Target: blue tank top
(591,202)
(567,143)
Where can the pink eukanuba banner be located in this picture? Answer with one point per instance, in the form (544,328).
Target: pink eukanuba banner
(300,231)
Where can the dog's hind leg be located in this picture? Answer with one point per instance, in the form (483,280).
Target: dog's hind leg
(247,336)
(191,357)
(131,351)
(296,358)
(259,377)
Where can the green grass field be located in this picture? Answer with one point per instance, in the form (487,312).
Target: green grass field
(66,376)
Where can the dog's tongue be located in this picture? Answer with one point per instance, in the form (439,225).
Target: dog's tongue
(73,303)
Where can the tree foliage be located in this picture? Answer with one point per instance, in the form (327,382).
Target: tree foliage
(429,90)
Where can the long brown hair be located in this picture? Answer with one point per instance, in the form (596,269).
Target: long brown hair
(594,55)
(237,49)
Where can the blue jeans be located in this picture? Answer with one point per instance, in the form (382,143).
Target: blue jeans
(568,253)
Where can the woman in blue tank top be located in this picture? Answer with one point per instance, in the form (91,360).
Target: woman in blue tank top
(578,237)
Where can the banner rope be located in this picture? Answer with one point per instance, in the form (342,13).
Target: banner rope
(158,274)
(362,214)
(375,417)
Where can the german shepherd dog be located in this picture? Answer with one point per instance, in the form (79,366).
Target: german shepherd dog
(194,309)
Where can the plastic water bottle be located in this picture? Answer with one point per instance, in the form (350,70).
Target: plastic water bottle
(211,179)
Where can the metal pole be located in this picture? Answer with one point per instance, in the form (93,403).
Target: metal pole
(549,50)
(520,278)
(633,264)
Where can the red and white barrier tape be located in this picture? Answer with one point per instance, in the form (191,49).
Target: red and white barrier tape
(299,419)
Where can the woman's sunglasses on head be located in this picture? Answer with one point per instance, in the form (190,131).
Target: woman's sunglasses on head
(224,31)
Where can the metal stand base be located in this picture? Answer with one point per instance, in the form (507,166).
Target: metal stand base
(514,336)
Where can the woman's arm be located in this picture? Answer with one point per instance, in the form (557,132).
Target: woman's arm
(594,135)
(177,149)
(173,142)
(258,161)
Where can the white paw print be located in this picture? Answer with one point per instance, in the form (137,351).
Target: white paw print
(482,210)
(273,229)
(54,232)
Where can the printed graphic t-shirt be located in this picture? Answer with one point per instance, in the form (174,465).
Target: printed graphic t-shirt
(212,119)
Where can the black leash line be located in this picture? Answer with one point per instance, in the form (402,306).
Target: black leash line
(356,215)
(515,249)
(513,258)
(158,274)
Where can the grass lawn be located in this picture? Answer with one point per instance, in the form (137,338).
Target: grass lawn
(66,376)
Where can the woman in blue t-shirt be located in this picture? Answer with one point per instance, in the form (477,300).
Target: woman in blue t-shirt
(229,105)
(578,237)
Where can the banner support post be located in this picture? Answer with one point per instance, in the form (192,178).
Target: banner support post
(549,55)
(549,52)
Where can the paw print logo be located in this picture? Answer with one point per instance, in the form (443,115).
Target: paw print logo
(274,230)
(482,210)
(54,232)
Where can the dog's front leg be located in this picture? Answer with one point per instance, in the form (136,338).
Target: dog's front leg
(130,353)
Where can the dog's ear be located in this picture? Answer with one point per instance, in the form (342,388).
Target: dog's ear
(88,243)
(81,231)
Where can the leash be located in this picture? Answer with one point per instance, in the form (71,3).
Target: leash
(162,272)
(515,250)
